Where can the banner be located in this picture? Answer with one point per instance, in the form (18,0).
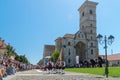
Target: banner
(77,59)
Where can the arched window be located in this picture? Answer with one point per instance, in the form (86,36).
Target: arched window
(83,14)
(91,37)
(91,51)
(69,43)
(64,46)
(82,27)
(69,60)
(91,12)
(91,25)
(118,62)
(91,31)
(91,44)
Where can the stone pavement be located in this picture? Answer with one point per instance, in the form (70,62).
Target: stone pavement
(42,75)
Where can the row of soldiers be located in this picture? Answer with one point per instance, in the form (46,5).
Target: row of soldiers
(57,67)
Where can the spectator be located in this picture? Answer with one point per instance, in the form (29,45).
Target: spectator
(11,69)
(1,71)
(1,74)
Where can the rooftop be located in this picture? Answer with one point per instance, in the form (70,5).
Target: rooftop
(113,57)
(69,35)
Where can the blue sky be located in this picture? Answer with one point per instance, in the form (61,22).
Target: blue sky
(30,24)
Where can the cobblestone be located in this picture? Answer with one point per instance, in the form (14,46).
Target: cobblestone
(37,75)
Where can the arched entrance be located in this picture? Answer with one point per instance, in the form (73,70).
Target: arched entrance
(80,51)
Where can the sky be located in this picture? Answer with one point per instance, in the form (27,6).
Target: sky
(30,24)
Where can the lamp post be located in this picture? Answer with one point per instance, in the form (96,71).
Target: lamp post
(105,41)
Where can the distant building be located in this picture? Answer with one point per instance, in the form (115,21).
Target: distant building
(83,44)
(48,50)
(114,59)
(3,47)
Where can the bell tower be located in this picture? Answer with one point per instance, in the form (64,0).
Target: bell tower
(87,25)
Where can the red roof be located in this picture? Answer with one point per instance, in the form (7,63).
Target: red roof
(69,35)
(113,57)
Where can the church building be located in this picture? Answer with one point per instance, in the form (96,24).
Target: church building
(83,44)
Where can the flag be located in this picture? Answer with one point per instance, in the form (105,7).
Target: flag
(60,55)
(97,55)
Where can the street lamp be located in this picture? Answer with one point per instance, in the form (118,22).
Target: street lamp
(106,41)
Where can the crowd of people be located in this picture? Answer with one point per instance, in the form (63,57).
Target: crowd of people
(9,66)
(91,63)
(54,68)
(59,66)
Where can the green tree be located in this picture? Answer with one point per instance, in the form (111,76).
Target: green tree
(22,58)
(55,55)
(17,58)
(10,51)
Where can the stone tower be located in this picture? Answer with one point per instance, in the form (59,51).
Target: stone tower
(88,46)
(83,44)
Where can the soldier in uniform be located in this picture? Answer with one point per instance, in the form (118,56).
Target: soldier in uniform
(49,66)
(63,67)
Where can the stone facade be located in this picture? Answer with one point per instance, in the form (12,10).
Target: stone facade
(83,44)
(48,50)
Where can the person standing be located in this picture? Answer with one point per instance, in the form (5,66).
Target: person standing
(63,67)
(49,66)
(1,72)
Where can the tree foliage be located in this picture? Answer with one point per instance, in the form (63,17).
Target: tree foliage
(55,55)
(22,58)
(10,51)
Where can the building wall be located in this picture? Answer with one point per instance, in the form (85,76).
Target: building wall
(58,43)
(68,51)
(114,63)
(83,43)
(3,51)
(88,26)
(48,50)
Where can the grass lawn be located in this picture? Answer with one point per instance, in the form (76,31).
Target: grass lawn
(113,71)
